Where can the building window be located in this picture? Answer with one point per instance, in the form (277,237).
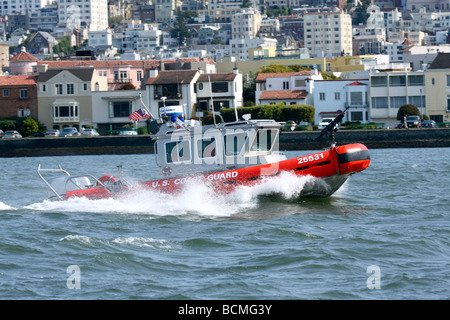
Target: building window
(23,93)
(5,93)
(219,87)
(59,89)
(448,80)
(397,81)
(378,81)
(44,88)
(448,104)
(139,76)
(397,102)
(322,96)
(337,96)
(379,102)
(356,98)
(120,109)
(285,85)
(70,88)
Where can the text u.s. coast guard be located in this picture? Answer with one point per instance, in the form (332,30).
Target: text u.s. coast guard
(234,309)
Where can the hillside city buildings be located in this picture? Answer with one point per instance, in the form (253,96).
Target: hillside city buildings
(399,55)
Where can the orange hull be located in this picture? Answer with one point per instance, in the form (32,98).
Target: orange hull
(341,161)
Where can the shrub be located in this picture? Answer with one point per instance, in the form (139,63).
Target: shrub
(278,112)
(407,109)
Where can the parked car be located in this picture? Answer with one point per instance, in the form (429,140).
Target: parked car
(52,133)
(90,132)
(1,133)
(413,121)
(429,124)
(12,134)
(128,132)
(324,123)
(69,131)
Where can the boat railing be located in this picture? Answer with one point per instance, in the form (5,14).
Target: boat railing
(59,186)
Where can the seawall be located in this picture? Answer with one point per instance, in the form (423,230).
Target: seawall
(297,140)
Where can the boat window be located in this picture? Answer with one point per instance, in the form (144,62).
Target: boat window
(264,140)
(177,151)
(234,143)
(206,148)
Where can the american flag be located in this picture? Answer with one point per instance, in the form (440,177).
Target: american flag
(139,114)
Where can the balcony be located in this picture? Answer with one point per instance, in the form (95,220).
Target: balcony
(65,119)
(122,80)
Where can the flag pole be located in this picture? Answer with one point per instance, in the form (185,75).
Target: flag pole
(212,102)
(145,107)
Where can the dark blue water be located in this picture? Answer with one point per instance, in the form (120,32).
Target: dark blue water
(384,235)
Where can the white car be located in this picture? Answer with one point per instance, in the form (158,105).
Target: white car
(90,132)
(324,123)
(12,134)
(128,132)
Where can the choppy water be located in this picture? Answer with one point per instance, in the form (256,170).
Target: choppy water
(384,235)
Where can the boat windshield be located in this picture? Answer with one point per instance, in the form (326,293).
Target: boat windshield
(234,142)
(177,151)
(264,140)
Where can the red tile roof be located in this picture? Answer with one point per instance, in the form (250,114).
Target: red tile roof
(17,80)
(357,83)
(99,63)
(24,56)
(284,94)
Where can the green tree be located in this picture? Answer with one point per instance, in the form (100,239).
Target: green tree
(275,68)
(28,126)
(407,109)
(180,30)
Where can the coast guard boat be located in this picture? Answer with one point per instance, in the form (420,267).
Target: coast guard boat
(225,156)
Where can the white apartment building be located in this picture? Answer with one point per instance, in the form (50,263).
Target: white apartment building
(9,7)
(333,96)
(83,14)
(390,90)
(245,24)
(239,48)
(101,38)
(328,33)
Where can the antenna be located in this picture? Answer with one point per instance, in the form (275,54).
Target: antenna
(212,102)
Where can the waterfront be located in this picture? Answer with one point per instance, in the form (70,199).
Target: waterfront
(257,243)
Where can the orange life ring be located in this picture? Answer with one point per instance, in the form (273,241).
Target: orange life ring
(106,179)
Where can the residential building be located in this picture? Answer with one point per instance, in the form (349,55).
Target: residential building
(438,88)
(165,10)
(10,7)
(328,33)
(113,108)
(42,43)
(44,19)
(240,47)
(18,96)
(331,97)
(286,87)
(83,14)
(65,96)
(224,89)
(245,24)
(166,88)
(4,56)
(390,90)
(23,63)
(101,38)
